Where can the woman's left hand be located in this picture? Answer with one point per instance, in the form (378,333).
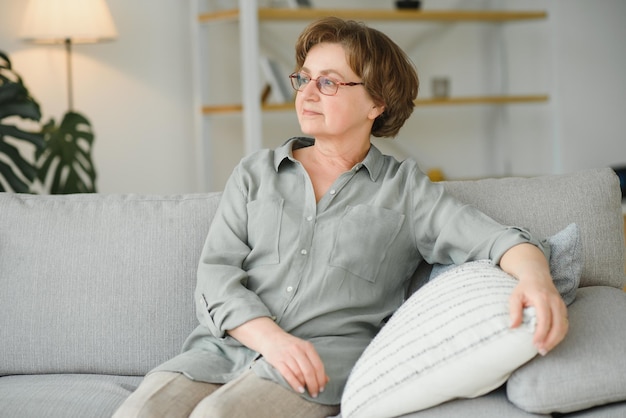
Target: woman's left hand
(552,322)
(536,288)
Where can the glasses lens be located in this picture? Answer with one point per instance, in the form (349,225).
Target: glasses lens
(327,86)
(298,81)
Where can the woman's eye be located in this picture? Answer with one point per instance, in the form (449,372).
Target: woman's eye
(327,82)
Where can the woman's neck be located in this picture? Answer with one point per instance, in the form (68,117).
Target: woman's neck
(341,155)
(325,162)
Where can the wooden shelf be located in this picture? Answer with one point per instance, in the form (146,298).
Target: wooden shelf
(232,14)
(373,14)
(473,100)
(469,100)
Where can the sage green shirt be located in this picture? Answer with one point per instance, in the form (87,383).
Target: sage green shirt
(330,271)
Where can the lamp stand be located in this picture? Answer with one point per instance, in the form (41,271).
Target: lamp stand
(70,91)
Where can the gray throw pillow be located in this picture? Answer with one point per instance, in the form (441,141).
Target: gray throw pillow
(588,368)
(566,261)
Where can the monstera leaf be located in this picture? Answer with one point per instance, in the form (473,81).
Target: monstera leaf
(65,163)
(58,157)
(17,171)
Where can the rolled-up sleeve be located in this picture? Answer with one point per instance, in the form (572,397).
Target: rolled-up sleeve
(451,232)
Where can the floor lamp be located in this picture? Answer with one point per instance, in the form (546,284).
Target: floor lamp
(65,164)
(68,22)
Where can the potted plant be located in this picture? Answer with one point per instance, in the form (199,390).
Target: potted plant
(34,156)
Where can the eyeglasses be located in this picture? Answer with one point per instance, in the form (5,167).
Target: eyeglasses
(326,85)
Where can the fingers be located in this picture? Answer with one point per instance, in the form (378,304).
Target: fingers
(296,359)
(515,310)
(312,370)
(552,324)
(295,381)
(318,373)
(544,323)
(301,367)
(557,325)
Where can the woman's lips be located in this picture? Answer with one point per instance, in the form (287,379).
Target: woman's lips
(308,112)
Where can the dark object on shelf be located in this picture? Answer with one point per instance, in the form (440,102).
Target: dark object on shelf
(621,173)
(408,4)
(294,4)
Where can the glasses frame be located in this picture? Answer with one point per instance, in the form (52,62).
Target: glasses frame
(294,76)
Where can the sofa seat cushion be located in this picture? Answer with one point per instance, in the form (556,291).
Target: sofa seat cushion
(492,405)
(588,368)
(62,396)
(450,339)
(613,410)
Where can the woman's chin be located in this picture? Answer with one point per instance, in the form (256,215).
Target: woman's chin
(308,130)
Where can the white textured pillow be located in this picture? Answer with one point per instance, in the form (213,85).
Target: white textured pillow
(450,339)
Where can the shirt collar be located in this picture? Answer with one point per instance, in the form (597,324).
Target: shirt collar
(373,161)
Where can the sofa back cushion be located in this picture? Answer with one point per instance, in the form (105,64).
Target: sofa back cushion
(547,204)
(98,283)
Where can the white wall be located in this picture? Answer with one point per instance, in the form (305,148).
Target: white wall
(136,91)
(591,66)
(138,94)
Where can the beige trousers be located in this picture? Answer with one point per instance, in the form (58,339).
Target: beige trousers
(172,395)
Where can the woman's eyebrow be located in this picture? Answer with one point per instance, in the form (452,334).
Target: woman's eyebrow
(323,72)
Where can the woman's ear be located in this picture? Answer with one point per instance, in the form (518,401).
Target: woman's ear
(376,111)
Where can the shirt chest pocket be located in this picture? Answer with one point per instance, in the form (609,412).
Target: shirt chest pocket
(264,219)
(363,239)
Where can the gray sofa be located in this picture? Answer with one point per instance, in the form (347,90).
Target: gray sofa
(95,290)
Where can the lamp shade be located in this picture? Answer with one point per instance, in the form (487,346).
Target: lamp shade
(80,21)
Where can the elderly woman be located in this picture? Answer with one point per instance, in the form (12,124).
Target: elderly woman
(314,243)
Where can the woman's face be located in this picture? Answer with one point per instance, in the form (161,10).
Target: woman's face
(349,113)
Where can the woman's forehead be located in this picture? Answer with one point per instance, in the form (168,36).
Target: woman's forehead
(327,58)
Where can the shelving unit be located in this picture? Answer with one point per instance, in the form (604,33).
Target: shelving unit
(248,16)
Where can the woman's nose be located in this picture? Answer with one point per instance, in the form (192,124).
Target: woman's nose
(310,89)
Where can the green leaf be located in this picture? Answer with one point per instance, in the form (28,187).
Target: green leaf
(35,138)
(66,162)
(4,61)
(15,101)
(15,183)
(27,169)
(13,92)
(25,110)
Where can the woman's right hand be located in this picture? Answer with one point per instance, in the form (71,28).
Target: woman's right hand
(296,359)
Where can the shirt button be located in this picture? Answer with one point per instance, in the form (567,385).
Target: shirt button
(309,218)
(290,289)
(304,252)
(333,191)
